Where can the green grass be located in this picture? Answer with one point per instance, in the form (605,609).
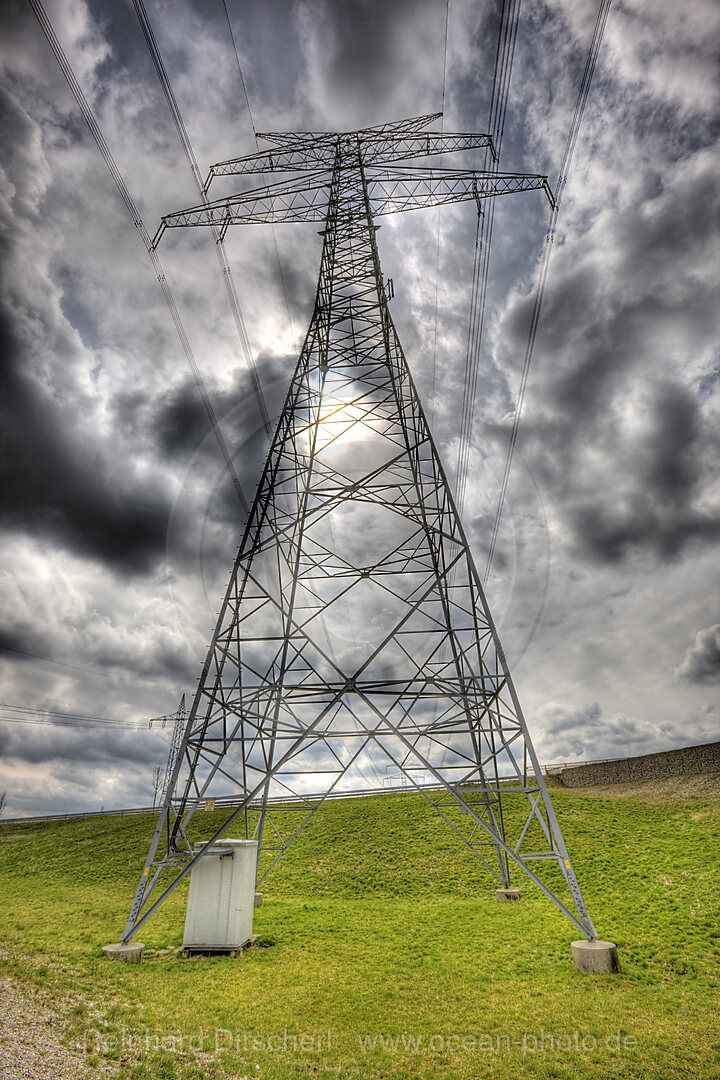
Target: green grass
(378,922)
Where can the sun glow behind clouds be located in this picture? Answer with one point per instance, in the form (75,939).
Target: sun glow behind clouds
(343,419)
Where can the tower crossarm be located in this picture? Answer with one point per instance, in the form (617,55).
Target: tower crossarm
(302,150)
(376,147)
(413,123)
(291,156)
(392,190)
(304,199)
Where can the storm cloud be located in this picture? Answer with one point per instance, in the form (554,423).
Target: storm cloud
(118,521)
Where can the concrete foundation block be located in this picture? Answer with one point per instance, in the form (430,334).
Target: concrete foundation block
(131,953)
(503,895)
(595,957)
(258,899)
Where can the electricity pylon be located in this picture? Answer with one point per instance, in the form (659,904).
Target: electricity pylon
(354,633)
(178,720)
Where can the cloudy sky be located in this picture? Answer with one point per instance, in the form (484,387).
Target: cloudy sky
(118,521)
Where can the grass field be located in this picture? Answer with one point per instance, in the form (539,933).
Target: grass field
(383,953)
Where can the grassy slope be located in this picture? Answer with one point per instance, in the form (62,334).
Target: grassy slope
(382,923)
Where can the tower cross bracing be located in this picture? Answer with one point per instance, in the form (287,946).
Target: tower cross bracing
(354,634)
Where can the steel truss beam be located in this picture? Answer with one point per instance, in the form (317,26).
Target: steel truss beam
(393,190)
(320,152)
(354,633)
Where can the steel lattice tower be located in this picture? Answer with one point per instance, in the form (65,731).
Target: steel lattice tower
(355,630)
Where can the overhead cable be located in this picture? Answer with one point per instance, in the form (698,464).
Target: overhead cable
(132,209)
(580,104)
(437,219)
(504,55)
(219,242)
(75,667)
(21,714)
(257,146)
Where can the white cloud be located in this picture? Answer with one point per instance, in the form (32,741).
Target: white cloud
(701,662)
(565,733)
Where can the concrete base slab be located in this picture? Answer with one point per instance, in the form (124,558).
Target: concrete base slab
(503,895)
(234,951)
(595,957)
(258,899)
(131,953)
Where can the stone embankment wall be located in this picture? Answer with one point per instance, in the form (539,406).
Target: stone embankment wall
(690,759)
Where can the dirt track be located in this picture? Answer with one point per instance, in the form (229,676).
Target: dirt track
(30,1046)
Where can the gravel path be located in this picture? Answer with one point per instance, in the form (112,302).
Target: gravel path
(30,1040)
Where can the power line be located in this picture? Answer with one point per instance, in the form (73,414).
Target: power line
(580,104)
(132,210)
(75,667)
(504,56)
(45,717)
(257,146)
(219,242)
(437,220)
(239,67)
(481,254)
(52,716)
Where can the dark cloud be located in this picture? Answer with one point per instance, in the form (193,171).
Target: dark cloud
(614,427)
(58,479)
(353,52)
(54,768)
(207,516)
(701,663)
(296,282)
(671,466)
(52,742)
(21,639)
(658,508)
(366,38)
(610,534)
(54,486)
(180,422)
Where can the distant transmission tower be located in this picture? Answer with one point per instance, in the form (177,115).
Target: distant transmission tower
(178,720)
(354,635)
